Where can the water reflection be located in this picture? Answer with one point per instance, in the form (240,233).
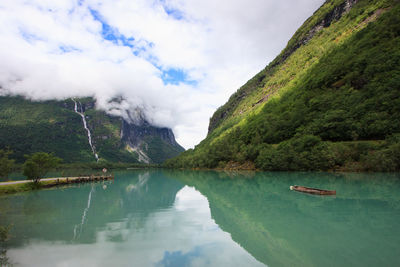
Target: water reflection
(358,227)
(198,218)
(78,227)
(142,219)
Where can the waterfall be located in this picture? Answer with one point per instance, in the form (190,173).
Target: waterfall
(85,126)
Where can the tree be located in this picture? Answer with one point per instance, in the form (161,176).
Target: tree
(38,164)
(6,164)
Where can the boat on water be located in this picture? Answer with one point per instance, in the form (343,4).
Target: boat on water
(314,191)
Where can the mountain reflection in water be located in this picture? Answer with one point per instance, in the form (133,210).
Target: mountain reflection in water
(208,218)
(142,219)
(358,227)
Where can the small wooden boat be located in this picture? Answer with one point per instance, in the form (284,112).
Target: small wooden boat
(314,191)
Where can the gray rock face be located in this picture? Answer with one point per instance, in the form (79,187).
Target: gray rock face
(337,12)
(134,135)
(151,144)
(330,17)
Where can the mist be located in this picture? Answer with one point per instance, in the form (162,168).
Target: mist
(171,62)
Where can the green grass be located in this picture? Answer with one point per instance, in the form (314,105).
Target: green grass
(337,95)
(27,127)
(282,75)
(107,165)
(23,187)
(29,186)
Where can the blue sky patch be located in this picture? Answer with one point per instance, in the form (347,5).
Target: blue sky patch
(168,75)
(177,258)
(172,12)
(68,49)
(175,76)
(29,37)
(111,33)
(175,13)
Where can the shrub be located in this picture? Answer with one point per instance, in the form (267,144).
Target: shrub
(6,164)
(38,164)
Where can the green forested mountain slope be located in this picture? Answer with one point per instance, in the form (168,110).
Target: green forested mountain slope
(331,99)
(27,127)
(53,126)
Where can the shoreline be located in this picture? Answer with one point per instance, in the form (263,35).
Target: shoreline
(12,187)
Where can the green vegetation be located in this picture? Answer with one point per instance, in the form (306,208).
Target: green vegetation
(27,127)
(37,165)
(106,164)
(21,187)
(159,151)
(106,137)
(332,103)
(29,186)
(6,164)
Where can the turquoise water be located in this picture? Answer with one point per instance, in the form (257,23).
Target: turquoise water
(200,218)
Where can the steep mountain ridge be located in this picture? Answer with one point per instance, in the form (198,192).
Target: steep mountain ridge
(77,132)
(281,70)
(329,100)
(153,144)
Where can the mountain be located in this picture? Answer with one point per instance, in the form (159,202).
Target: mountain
(329,100)
(76,131)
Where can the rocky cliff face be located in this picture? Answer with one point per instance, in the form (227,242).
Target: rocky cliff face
(333,15)
(134,135)
(76,131)
(138,137)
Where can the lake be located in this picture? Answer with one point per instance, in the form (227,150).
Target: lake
(207,218)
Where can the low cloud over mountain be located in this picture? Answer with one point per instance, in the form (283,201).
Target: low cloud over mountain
(175,61)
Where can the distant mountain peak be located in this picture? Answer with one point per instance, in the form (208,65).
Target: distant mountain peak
(76,131)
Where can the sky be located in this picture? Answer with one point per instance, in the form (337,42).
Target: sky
(172,61)
(181,235)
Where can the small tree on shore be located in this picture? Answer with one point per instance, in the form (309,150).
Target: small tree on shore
(6,164)
(38,164)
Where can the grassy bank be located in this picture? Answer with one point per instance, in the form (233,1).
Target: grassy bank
(17,188)
(107,165)
(46,183)
(96,166)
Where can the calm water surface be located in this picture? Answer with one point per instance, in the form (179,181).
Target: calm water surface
(199,218)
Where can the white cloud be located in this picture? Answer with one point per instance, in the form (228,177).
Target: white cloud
(56,49)
(185,229)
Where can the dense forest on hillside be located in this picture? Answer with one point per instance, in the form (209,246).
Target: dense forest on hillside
(334,109)
(27,127)
(54,127)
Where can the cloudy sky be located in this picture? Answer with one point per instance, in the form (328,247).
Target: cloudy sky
(176,60)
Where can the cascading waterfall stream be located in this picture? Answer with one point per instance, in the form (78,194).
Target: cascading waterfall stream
(85,126)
